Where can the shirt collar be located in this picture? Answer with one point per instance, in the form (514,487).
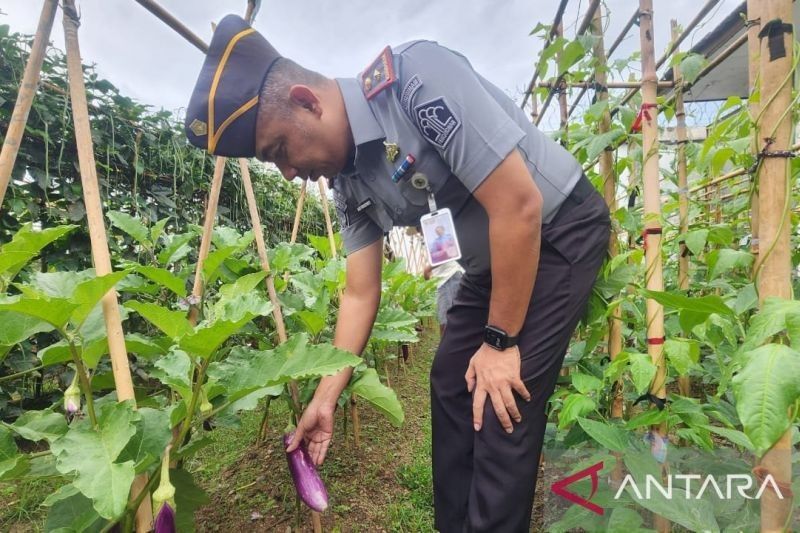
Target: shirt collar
(363,124)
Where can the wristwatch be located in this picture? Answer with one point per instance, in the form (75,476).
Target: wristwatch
(498,338)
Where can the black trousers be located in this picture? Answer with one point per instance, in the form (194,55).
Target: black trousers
(485,481)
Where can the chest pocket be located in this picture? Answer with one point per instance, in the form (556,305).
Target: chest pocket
(428,172)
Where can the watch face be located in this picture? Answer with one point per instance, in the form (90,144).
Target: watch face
(494,338)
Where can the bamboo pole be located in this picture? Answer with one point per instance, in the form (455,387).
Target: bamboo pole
(27,90)
(299,211)
(556,21)
(97,235)
(753,53)
(634,18)
(593,83)
(773,272)
(168,19)
(652,217)
(610,193)
(562,106)
(684,382)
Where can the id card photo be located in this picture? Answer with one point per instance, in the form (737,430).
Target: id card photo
(441,240)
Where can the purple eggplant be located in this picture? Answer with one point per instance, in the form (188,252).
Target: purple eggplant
(306,479)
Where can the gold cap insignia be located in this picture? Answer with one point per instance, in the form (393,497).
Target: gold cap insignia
(377,75)
(368,83)
(198,127)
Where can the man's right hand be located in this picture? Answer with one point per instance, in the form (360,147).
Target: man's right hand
(316,427)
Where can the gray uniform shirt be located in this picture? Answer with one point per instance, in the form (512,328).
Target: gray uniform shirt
(459,127)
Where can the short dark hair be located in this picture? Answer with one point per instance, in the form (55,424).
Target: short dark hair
(274,96)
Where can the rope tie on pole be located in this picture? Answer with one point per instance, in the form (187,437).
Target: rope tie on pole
(644,113)
(761,472)
(660,403)
(649,231)
(774,30)
(765,153)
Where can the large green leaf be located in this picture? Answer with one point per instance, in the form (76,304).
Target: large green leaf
(153,433)
(369,387)
(246,370)
(89,293)
(90,351)
(59,284)
(696,240)
(173,323)
(174,370)
(214,261)
(642,371)
(607,435)
(205,339)
(600,142)
(725,259)
(164,278)
(575,405)
(764,389)
(39,425)
(683,354)
(130,225)
(73,514)
(91,457)
(775,316)
(25,245)
(700,304)
(695,514)
(585,383)
(188,498)
(17,327)
(54,311)
(289,257)
(10,459)
(176,249)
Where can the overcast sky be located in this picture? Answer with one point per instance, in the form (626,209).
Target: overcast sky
(151,63)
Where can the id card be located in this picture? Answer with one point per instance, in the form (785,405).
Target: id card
(439,233)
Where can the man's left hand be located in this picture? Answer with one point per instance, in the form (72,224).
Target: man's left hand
(497,375)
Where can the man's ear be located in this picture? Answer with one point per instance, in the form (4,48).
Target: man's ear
(305,97)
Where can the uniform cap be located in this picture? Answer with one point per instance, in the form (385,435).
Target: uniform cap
(222,111)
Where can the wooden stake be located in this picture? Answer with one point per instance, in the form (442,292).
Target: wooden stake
(773,271)
(684,383)
(652,215)
(299,211)
(205,239)
(562,101)
(97,234)
(610,193)
(753,70)
(27,90)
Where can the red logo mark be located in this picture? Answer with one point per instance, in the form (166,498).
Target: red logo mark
(559,487)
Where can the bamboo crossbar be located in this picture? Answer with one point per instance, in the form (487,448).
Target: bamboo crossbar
(593,84)
(556,21)
(167,18)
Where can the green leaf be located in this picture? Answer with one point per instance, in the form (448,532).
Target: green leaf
(721,234)
(130,225)
(701,304)
(696,241)
(18,327)
(90,352)
(586,383)
(642,371)
(624,520)
(725,259)
(176,249)
(205,339)
(746,299)
(59,284)
(695,514)
(157,229)
(601,142)
(245,370)
(10,459)
(369,387)
(153,433)
(188,499)
(605,434)
(173,323)
(764,389)
(89,293)
(733,435)
(691,66)
(73,514)
(647,418)
(39,425)
(290,257)
(775,316)
(683,354)
(575,406)
(174,370)
(214,260)
(54,311)
(164,278)
(244,307)
(573,51)
(142,346)
(91,457)
(25,245)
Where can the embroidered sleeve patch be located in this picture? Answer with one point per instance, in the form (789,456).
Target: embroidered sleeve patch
(407,97)
(436,122)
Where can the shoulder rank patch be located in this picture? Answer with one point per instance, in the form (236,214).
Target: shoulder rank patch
(379,74)
(436,122)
